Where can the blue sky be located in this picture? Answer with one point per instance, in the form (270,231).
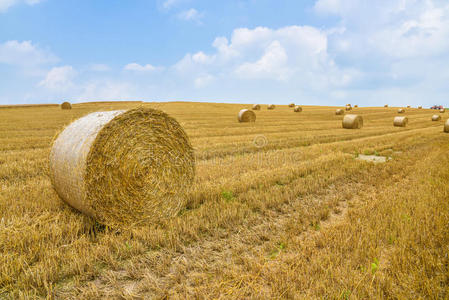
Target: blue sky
(327,52)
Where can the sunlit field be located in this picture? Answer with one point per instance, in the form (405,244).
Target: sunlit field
(280,208)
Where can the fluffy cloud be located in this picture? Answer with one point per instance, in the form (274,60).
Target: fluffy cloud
(139,68)
(25,54)
(191,15)
(59,79)
(5,4)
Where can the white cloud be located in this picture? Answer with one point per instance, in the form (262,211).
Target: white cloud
(203,80)
(168,4)
(25,54)
(140,68)
(6,4)
(191,15)
(99,67)
(59,79)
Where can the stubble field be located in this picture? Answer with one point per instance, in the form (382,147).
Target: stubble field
(280,208)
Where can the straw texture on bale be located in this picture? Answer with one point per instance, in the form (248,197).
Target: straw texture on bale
(436,117)
(352,122)
(298,109)
(246,115)
(271,106)
(291,105)
(66,105)
(123,167)
(446,126)
(256,107)
(442,110)
(348,107)
(400,121)
(401,111)
(339,112)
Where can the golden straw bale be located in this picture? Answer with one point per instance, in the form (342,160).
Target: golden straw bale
(419,107)
(271,106)
(442,110)
(348,107)
(66,105)
(339,112)
(400,121)
(436,117)
(123,167)
(298,108)
(355,106)
(246,115)
(256,107)
(291,105)
(408,106)
(446,126)
(352,122)
(401,111)
(386,105)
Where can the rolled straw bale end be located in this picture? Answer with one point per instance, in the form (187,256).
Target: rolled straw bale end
(123,167)
(271,106)
(401,111)
(298,109)
(339,112)
(436,118)
(66,105)
(446,126)
(256,107)
(352,122)
(442,110)
(291,105)
(348,108)
(400,121)
(246,115)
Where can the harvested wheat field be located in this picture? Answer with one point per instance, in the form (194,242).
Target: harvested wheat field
(279,208)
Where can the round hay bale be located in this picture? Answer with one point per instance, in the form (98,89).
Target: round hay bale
(298,108)
(352,122)
(339,112)
(408,106)
(419,107)
(123,167)
(446,126)
(442,110)
(291,105)
(348,107)
(271,106)
(400,121)
(256,107)
(386,105)
(436,118)
(246,115)
(66,105)
(355,106)
(401,111)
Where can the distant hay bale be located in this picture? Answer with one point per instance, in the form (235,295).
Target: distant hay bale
(66,105)
(348,107)
(400,121)
(271,106)
(386,105)
(123,167)
(446,126)
(355,106)
(246,115)
(256,107)
(352,122)
(442,110)
(291,105)
(298,109)
(436,118)
(419,107)
(408,106)
(401,111)
(339,112)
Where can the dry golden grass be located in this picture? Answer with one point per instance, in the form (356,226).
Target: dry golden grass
(297,218)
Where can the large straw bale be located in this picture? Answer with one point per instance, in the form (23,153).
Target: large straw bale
(446,126)
(246,115)
(339,111)
(442,110)
(400,121)
(298,108)
(291,105)
(352,122)
(436,117)
(256,107)
(66,105)
(271,106)
(123,167)
(401,111)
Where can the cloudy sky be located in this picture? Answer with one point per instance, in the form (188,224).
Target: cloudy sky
(327,52)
